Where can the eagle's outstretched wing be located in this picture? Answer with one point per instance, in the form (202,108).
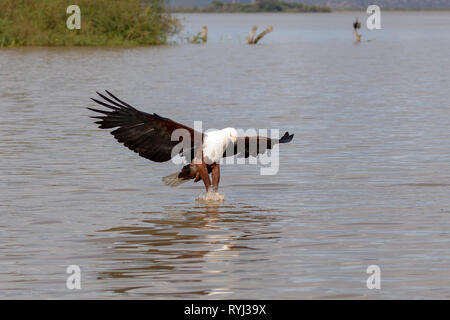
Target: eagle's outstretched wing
(147,134)
(252,146)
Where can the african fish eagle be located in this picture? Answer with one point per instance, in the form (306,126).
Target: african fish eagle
(151,136)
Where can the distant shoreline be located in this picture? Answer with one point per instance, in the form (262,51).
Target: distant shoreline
(392,9)
(332,11)
(256,12)
(263,6)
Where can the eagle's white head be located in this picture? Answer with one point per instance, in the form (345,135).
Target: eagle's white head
(231,134)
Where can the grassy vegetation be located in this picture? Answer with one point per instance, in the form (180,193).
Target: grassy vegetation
(258,6)
(194,39)
(103,23)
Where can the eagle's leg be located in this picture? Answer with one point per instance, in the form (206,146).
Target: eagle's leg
(203,170)
(215,174)
(203,173)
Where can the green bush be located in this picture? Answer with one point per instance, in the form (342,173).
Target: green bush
(103,22)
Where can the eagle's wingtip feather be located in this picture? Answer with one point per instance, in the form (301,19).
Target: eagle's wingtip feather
(286,138)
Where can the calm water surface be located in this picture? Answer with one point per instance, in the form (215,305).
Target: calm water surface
(365,181)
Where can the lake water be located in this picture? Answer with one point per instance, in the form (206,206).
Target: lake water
(366,180)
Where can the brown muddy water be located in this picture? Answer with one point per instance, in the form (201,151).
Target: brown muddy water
(365,181)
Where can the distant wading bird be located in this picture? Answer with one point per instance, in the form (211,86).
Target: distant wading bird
(356,26)
(150,135)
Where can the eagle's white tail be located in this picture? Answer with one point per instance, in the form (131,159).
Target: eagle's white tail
(172,180)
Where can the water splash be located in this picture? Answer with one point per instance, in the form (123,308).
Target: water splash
(210,197)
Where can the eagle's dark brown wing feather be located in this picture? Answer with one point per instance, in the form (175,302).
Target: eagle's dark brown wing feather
(147,134)
(252,146)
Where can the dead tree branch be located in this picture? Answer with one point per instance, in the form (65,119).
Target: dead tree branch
(262,34)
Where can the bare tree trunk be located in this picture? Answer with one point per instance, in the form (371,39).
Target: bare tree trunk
(204,34)
(252,34)
(262,34)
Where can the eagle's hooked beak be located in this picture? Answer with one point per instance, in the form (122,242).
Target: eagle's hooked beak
(234,139)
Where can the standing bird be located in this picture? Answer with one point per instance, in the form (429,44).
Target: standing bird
(160,139)
(356,26)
